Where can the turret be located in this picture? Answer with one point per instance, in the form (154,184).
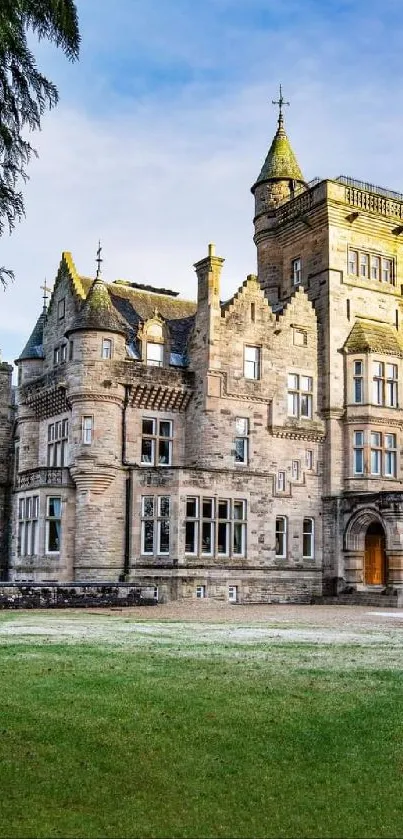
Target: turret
(279,180)
(280,175)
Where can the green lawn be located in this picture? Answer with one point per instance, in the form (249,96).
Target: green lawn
(119,741)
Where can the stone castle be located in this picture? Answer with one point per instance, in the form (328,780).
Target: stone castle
(246,450)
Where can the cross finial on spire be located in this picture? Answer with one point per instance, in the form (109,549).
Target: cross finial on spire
(45,288)
(280,102)
(99,260)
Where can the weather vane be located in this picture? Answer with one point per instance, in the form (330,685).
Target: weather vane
(99,260)
(280,102)
(45,288)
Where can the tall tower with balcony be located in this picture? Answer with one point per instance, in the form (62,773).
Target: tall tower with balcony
(342,241)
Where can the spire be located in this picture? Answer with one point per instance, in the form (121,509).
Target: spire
(45,288)
(281,163)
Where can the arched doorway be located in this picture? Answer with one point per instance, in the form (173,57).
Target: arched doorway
(375,558)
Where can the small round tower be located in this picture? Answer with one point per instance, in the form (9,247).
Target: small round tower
(280,178)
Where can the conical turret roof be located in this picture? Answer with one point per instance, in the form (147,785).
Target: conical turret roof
(280,163)
(34,346)
(98,312)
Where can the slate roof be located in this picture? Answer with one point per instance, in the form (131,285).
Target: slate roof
(34,346)
(371,336)
(133,304)
(280,162)
(98,312)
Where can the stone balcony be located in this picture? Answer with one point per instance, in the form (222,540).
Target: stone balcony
(43,477)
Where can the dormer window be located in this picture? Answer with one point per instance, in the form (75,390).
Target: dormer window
(155,354)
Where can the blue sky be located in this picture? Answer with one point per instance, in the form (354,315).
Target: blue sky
(163,125)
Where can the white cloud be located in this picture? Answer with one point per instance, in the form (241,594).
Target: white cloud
(158,177)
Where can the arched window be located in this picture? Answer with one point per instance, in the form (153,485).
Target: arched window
(153,354)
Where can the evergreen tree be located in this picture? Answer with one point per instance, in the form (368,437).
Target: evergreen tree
(25,93)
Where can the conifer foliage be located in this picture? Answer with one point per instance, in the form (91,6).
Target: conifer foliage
(25,93)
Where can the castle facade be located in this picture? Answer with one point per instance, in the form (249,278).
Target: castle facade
(247,450)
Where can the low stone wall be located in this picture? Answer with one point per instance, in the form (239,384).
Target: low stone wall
(76,595)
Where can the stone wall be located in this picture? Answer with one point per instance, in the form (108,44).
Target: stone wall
(6,422)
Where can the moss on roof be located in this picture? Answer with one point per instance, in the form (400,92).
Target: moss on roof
(372,336)
(280,162)
(98,312)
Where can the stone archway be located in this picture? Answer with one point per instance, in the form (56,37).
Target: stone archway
(366,540)
(375,557)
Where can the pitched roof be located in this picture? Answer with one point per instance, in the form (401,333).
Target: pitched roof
(373,336)
(280,162)
(34,346)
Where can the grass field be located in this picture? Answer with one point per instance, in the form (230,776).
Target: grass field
(110,727)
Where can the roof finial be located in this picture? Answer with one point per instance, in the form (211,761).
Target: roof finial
(45,290)
(99,260)
(280,102)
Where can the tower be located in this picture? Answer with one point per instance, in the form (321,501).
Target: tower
(279,180)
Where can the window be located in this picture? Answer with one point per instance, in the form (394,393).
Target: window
(155,524)
(87,430)
(382,453)
(241,440)
(53,524)
(200,592)
(296,271)
(353,262)
(232,594)
(358,453)
(106,348)
(156,442)
(376,452)
(358,382)
(192,526)
(308,539)
(309,459)
(28,526)
(364,265)
(280,482)
(371,266)
(295,470)
(56,356)
(390,456)
(251,363)
(375,268)
(281,537)
(384,384)
(215,527)
(71,350)
(300,337)
(63,353)
(155,354)
(387,271)
(57,443)
(300,395)
(61,309)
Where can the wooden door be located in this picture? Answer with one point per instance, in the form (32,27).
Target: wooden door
(375,559)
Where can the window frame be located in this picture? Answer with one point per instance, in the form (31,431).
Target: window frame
(154,362)
(28,526)
(296,271)
(309,534)
(87,429)
(157,439)
(284,537)
(106,349)
(297,394)
(255,370)
(49,520)
(209,521)
(241,441)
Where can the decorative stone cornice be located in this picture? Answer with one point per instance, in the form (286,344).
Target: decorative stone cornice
(311,434)
(89,475)
(160,397)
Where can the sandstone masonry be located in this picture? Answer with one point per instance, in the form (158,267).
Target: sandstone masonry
(246,450)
